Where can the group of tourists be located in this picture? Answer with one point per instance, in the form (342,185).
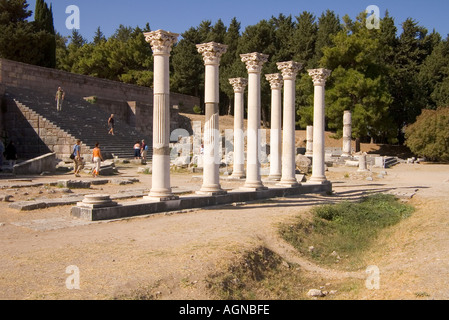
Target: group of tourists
(97,158)
(140,150)
(140,147)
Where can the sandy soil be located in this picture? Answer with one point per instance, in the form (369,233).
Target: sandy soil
(169,255)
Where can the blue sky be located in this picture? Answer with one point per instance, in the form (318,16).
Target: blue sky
(178,16)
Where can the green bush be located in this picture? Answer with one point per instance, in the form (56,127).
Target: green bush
(197,110)
(429,136)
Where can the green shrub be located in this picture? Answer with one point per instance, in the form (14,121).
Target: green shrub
(429,135)
(197,110)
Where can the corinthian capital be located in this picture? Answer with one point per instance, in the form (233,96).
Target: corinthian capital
(161,41)
(289,69)
(254,61)
(276,80)
(319,76)
(238,84)
(212,52)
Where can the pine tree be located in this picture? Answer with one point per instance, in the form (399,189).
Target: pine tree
(19,40)
(434,76)
(99,36)
(43,21)
(409,95)
(261,38)
(217,32)
(358,83)
(188,64)
(13,11)
(76,39)
(328,26)
(147,27)
(228,68)
(284,29)
(304,38)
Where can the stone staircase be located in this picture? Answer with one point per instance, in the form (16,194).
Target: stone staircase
(82,120)
(391,162)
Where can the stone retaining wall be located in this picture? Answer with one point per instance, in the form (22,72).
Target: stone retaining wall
(45,163)
(34,135)
(23,75)
(130,103)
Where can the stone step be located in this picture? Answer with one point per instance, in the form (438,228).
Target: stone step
(81,120)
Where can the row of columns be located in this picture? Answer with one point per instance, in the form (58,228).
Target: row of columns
(283,165)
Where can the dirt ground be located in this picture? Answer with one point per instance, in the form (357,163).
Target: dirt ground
(170,255)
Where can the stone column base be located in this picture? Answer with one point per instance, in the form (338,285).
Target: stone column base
(160,195)
(318,181)
(274,177)
(97,201)
(238,175)
(253,186)
(289,184)
(160,198)
(211,191)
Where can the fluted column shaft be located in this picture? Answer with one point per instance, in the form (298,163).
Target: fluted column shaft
(289,71)
(161,42)
(239,85)
(212,53)
(319,77)
(276,84)
(254,63)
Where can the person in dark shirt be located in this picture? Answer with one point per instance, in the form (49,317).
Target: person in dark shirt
(111,122)
(11,154)
(143,150)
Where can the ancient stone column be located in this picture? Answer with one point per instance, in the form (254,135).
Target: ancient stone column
(289,71)
(161,43)
(362,163)
(212,53)
(276,83)
(239,85)
(254,62)
(309,145)
(347,134)
(319,77)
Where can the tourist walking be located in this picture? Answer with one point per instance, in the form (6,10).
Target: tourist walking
(137,150)
(144,150)
(11,154)
(111,123)
(76,156)
(60,95)
(96,159)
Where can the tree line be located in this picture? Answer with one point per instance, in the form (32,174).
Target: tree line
(384,77)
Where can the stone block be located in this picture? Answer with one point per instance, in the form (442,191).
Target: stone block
(28,205)
(45,163)
(74,184)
